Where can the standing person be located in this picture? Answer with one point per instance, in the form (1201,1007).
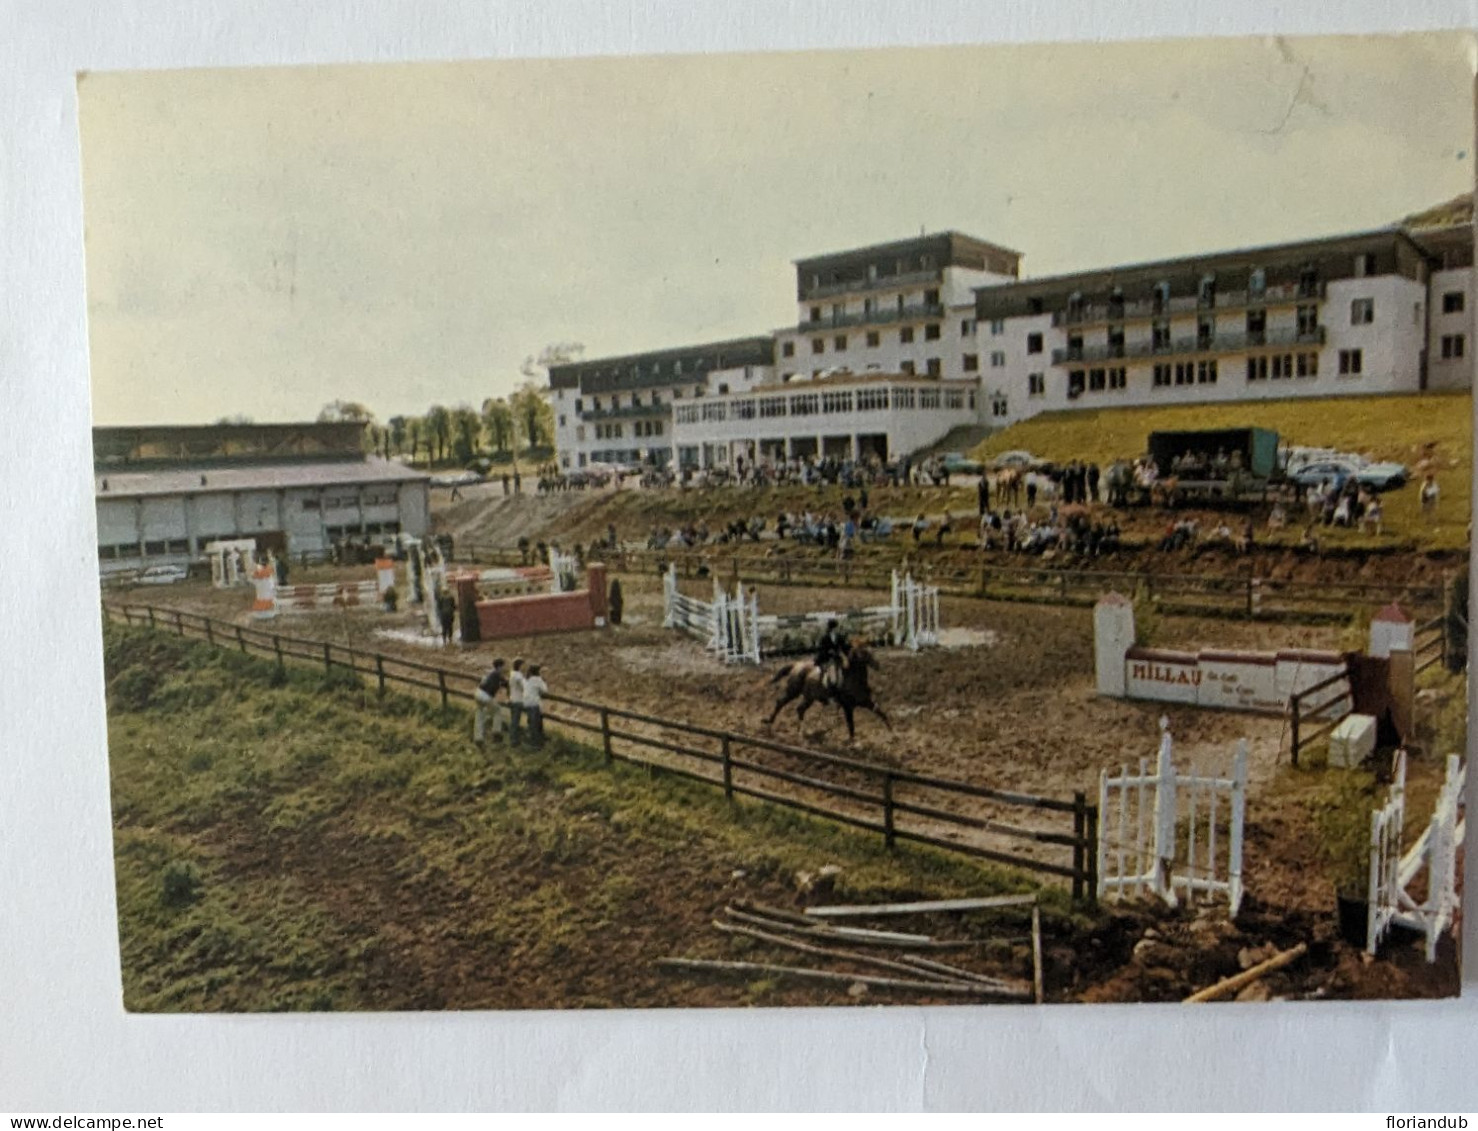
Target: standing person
(862,499)
(487,704)
(517,482)
(516,683)
(1031,490)
(616,602)
(1093,476)
(982,495)
(446,614)
(1430,494)
(534,689)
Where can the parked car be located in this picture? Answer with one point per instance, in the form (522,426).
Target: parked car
(456,479)
(958,463)
(1376,476)
(1022,461)
(163,575)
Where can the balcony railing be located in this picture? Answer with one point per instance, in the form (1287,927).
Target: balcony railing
(882,282)
(625,413)
(875,317)
(1224,342)
(1281,295)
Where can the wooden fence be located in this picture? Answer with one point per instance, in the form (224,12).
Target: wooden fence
(898,804)
(962,573)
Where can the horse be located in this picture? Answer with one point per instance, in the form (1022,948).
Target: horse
(1008,485)
(803,680)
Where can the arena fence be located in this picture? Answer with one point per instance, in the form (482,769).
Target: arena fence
(963,574)
(1052,836)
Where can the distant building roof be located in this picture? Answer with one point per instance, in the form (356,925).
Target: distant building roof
(660,367)
(158,445)
(209,479)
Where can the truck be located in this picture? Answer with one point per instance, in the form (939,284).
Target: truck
(1217,464)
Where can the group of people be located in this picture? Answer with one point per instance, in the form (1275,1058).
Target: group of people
(513,701)
(1076,532)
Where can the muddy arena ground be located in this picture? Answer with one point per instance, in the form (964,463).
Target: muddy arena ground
(1008,702)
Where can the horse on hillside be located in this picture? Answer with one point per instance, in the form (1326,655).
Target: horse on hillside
(803,680)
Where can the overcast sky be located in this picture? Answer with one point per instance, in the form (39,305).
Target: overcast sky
(264,241)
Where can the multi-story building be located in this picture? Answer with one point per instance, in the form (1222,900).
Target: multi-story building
(618,410)
(1353,314)
(894,344)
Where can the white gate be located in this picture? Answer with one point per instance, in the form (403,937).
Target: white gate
(728,626)
(1170,833)
(915,613)
(1435,852)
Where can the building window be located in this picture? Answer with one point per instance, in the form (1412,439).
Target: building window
(787,349)
(1161,377)
(1036,384)
(561,420)
(1160,335)
(1365,265)
(818,345)
(840,342)
(1097,380)
(928,398)
(1362,311)
(1282,364)
(903,398)
(1308,365)
(772,406)
(931,297)
(1118,377)
(579,405)
(998,406)
(1206,372)
(1257,369)
(1453,302)
(836,402)
(1308,321)
(906,367)
(967,327)
(873,339)
(997,359)
(804,404)
(1185,372)
(933,367)
(970,363)
(998,325)
(815,314)
(1257,327)
(1452,346)
(931,332)
(723,389)
(1034,343)
(1350,362)
(905,335)
(871,400)
(954,398)
(579,433)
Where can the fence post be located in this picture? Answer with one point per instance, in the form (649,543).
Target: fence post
(1080,832)
(151,616)
(210,635)
(1165,812)
(240,640)
(888,809)
(1092,851)
(728,769)
(277,648)
(380,671)
(179,623)
(441,684)
(327,663)
(605,735)
(1293,724)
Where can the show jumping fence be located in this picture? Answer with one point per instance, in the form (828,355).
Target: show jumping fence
(1160,830)
(1392,873)
(962,573)
(731,625)
(1047,835)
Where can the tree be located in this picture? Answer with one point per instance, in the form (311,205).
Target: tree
(533,414)
(497,418)
(336,411)
(415,431)
(236,418)
(438,430)
(397,430)
(467,433)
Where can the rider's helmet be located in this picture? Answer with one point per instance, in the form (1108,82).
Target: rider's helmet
(831,625)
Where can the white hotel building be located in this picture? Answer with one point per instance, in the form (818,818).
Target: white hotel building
(897,343)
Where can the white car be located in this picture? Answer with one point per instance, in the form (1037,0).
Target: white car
(163,575)
(1017,459)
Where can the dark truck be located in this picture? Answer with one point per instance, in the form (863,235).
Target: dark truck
(1219,464)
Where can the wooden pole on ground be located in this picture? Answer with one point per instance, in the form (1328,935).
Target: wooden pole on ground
(1247,977)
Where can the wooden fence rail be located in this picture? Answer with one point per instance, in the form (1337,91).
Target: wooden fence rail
(963,574)
(1309,715)
(895,803)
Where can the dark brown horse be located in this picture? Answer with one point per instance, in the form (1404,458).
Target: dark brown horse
(803,681)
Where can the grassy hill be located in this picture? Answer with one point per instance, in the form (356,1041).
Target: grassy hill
(1382,428)
(285,841)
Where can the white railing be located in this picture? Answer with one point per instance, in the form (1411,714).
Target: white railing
(915,613)
(563,569)
(727,625)
(1435,852)
(1175,835)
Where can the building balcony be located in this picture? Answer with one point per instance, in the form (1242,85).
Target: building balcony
(1286,294)
(876,317)
(626,413)
(858,286)
(1225,342)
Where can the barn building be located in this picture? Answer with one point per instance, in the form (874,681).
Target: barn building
(163,493)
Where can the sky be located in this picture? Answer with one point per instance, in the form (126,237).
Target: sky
(263,241)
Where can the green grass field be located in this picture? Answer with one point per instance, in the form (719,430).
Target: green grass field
(287,842)
(1382,428)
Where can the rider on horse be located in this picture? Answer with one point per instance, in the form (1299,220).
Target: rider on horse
(831,654)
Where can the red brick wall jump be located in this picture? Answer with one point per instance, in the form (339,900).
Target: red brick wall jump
(530,616)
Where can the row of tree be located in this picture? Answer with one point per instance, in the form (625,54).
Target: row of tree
(503,427)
